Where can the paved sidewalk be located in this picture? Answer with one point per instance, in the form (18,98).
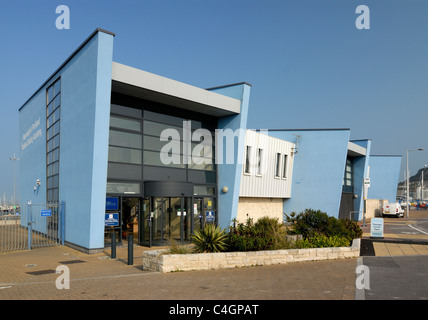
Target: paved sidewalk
(400,238)
(30,275)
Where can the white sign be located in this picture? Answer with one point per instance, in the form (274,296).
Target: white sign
(366,182)
(376,229)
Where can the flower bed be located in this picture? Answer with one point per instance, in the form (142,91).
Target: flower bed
(159,260)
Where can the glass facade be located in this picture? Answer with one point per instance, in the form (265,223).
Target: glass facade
(153,142)
(53,114)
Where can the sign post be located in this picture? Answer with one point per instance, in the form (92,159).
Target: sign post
(366,186)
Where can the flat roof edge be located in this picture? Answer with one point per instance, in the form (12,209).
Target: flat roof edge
(67,61)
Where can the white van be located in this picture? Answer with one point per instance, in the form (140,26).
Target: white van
(392,209)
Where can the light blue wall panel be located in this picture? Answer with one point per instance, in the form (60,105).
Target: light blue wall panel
(384,176)
(32,133)
(360,172)
(86,90)
(318,169)
(229,175)
(84,125)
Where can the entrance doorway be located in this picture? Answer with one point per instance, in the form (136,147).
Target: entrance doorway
(122,216)
(177,218)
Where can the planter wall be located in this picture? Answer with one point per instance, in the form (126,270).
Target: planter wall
(157,260)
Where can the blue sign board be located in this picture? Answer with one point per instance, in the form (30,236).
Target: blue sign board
(112,203)
(209,216)
(112,219)
(46,213)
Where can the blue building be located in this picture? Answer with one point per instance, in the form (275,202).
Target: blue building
(131,152)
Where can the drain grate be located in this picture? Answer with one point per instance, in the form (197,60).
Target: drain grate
(71,261)
(40,272)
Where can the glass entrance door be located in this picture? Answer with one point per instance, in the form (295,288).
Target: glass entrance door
(166,218)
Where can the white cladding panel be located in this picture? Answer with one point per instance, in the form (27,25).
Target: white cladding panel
(262,179)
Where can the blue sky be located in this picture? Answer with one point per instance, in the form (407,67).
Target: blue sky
(310,67)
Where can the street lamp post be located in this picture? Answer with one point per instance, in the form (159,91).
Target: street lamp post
(407,179)
(14,159)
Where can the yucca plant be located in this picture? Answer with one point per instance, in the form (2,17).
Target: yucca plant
(210,239)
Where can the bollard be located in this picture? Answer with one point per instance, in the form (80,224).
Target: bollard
(113,245)
(130,250)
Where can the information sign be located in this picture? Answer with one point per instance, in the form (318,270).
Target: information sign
(376,229)
(46,213)
(112,219)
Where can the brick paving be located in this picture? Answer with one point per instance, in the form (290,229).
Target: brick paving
(29,275)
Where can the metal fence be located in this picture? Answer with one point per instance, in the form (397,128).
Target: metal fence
(33,226)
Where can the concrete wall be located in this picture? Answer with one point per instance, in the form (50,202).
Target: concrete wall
(257,208)
(161,262)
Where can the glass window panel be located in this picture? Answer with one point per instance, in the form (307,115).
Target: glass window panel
(123,188)
(155,129)
(50,195)
(285,164)
(50,182)
(55,168)
(50,95)
(49,145)
(50,158)
(278,165)
(155,144)
(50,170)
(122,123)
(125,139)
(49,134)
(55,195)
(57,87)
(154,159)
(57,101)
(49,121)
(247,159)
(55,155)
(202,164)
(56,142)
(203,191)
(124,171)
(50,108)
(124,155)
(55,181)
(56,128)
(56,115)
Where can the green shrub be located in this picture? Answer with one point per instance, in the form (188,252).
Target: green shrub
(210,239)
(310,223)
(322,241)
(266,234)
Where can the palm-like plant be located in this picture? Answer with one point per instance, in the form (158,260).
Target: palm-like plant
(210,239)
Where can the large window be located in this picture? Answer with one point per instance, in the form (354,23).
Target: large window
(247,160)
(277,165)
(53,111)
(348,177)
(284,167)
